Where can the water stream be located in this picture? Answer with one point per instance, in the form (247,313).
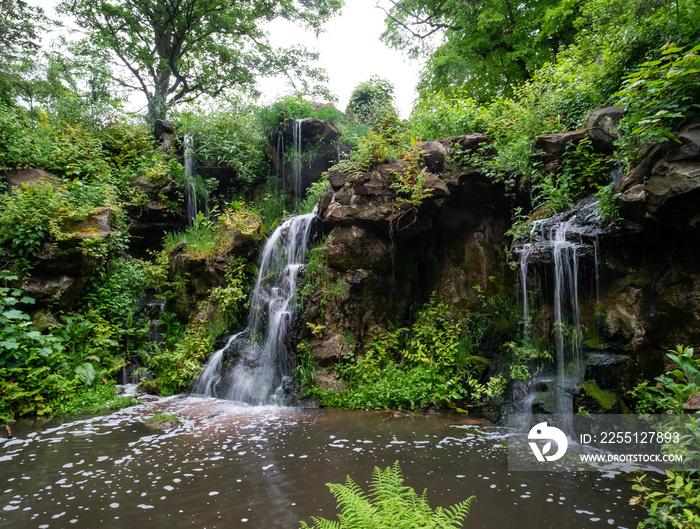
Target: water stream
(230,466)
(263,356)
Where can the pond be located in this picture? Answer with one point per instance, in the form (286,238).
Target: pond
(229,466)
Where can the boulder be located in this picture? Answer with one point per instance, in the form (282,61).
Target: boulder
(693,404)
(591,398)
(24,177)
(432,155)
(633,202)
(161,127)
(466,142)
(687,149)
(673,190)
(356,248)
(607,119)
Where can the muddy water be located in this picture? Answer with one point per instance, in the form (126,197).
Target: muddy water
(227,466)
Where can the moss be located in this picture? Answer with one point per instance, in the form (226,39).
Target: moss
(479,365)
(163,421)
(604,398)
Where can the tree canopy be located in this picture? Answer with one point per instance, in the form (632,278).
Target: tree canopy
(488,46)
(177,50)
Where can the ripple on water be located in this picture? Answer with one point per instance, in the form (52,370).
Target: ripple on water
(269,466)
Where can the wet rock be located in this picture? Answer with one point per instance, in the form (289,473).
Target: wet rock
(687,149)
(633,202)
(614,372)
(591,398)
(356,248)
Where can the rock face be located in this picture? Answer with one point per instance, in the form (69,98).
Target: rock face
(149,221)
(201,273)
(317,140)
(665,187)
(385,254)
(62,269)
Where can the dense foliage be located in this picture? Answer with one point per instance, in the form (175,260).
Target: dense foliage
(675,503)
(177,51)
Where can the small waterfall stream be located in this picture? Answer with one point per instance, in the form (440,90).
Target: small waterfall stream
(264,358)
(297,160)
(559,244)
(191,203)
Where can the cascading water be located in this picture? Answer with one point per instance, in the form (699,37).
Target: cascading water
(191,191)
(265,359)
(559,243)
(569,364)
(191,205)
(296,162)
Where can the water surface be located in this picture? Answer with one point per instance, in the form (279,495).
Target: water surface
(233,466)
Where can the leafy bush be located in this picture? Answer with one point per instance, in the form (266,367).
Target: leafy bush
(275,116)
(390,504)
(230,137)
(659,97)
(412,368)
(676,504)
(371,102)
(670,394)
(30,362)
(17,145)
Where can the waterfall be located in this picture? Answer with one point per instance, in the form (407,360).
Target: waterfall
(569,365)
(280,154)
(191,191)
(296,161)
(191,205)
(558,243)
(265,358)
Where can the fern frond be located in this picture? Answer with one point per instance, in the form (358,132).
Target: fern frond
(389,505)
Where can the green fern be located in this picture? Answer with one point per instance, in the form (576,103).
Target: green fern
(389,505)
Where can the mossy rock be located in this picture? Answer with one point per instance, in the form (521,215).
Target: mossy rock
(591,398)
(479,364)
(163,421)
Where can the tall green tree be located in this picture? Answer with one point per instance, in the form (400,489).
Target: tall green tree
(20,29)
(486,47)
(177,50)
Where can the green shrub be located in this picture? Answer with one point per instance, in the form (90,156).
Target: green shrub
(390,504)
(281,113)
(31,363)
(371,102)
(659,97)
(229,136)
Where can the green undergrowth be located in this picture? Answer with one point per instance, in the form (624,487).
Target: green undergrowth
(675,501)
(408,368)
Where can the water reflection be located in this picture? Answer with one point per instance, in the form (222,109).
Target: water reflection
(231,466)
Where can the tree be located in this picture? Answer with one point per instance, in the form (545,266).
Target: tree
(177,50)
(371,101)
(20,27)
(488,46)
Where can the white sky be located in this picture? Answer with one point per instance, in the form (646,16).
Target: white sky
(350,52)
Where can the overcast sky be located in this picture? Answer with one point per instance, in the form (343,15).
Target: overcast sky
(350,51)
